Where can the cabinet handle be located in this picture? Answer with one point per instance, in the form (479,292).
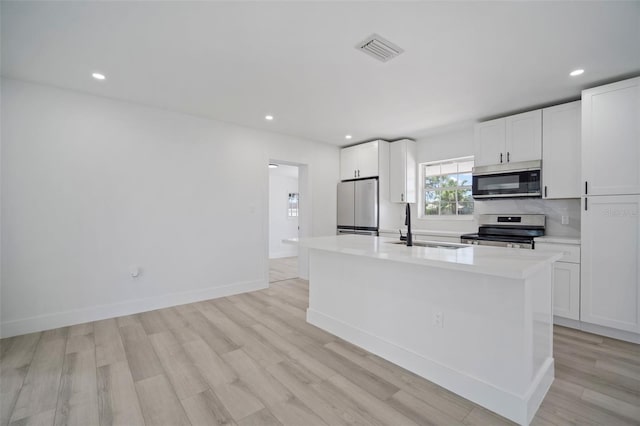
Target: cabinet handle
(585,204)
(507,156)
(401,197)
(500,157)
(545,191)
(355,174)
(585,188)
(358,172)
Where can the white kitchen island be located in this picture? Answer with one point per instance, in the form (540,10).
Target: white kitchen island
(475,320)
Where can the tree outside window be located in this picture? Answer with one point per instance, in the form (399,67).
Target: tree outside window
(447,187)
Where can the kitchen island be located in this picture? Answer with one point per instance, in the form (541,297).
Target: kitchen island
(475,320)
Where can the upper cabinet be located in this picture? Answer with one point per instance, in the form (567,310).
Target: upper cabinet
(507,140)
(611,138)
(359,161)
(402,171)
(561,151)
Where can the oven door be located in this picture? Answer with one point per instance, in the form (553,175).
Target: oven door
(499,182)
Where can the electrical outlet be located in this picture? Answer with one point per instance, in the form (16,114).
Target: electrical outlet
(438,319)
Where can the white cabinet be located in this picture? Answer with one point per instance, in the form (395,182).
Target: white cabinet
(610,293)
(359,161)
(507,140)
(566,280)
(489,142)
(349,163)
(611,138)
(524,137)
(561,151)
(402,171)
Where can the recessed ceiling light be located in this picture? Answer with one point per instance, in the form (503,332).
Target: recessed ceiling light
(273,166)
(348,137)
(98,76)
(268,117)
(576,73)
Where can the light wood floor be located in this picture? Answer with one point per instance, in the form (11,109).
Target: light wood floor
(284,268)
(252,359)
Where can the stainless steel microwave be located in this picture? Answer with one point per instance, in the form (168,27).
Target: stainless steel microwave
(510,180)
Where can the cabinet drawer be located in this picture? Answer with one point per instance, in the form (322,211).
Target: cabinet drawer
(571,252)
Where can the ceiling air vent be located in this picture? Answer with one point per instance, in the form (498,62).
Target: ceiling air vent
(379,48)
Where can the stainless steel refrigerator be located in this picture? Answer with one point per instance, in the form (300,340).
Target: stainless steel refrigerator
(358,207)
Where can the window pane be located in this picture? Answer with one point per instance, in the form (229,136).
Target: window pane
(465,207)
(464,179)
(432,203)
(465,202)
(450,181)
(433,181)
(448,208)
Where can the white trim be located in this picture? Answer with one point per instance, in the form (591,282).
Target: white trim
(128,307)
(600,330)
(518,408)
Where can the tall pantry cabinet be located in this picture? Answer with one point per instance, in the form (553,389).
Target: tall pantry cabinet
(610,267)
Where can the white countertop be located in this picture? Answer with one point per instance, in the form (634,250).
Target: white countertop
(497,261)
(558,240)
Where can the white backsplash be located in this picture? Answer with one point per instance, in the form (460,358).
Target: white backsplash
(553,209)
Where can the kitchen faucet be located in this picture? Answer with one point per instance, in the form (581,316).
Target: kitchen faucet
(407,221)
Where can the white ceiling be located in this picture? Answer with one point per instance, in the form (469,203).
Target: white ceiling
(237,61)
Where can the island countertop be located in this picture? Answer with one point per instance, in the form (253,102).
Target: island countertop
(502,262)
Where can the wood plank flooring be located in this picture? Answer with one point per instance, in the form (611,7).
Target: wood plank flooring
(284,268)
(252,359)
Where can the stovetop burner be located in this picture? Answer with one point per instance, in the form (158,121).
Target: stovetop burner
(507,231)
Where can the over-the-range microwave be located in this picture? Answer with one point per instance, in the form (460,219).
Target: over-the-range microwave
(510,180)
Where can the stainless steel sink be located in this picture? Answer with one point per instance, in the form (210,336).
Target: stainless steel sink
(432,244)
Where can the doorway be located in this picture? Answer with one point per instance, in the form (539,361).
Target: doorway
(284,220)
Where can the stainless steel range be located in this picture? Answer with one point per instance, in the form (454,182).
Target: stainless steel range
(507,230)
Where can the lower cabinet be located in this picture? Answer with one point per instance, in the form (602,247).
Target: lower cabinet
(566,280)
(566,290)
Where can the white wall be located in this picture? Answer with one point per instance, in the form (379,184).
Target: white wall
(93,186)
(282,181)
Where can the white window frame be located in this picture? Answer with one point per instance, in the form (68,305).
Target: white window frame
(421,198)
(290,206)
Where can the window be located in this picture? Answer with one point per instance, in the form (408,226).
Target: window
(292,211)
(446,188)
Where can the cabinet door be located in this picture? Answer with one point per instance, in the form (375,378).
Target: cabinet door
(561,141)
(489,142)
(411,173)
(610,138)
(367,159)
(349,163)
(524,136)
(397,172)
(610,293)
(402,171)
(566,290)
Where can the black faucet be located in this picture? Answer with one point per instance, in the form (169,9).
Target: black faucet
(407,221)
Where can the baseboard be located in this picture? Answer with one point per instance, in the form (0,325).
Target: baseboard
(128,307)
(518,408)
(600,330)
